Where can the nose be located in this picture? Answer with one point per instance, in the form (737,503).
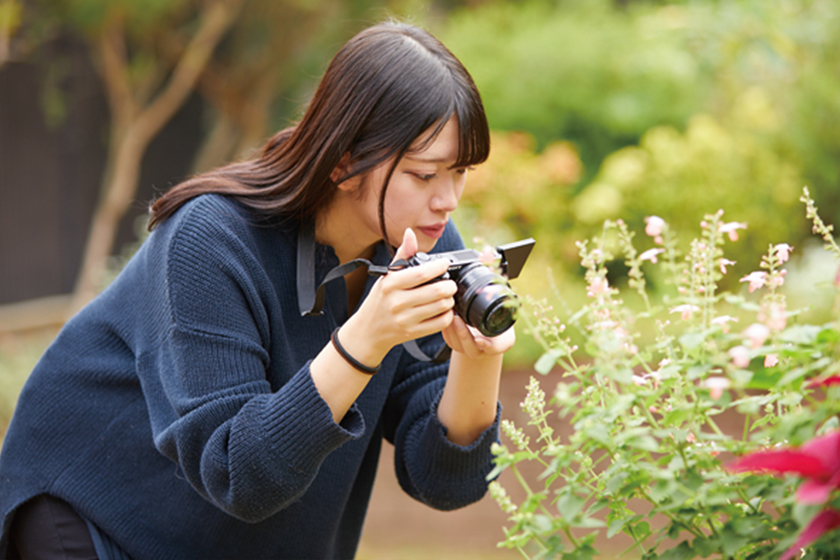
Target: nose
(446,197)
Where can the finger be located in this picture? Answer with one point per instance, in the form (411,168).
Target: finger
(436,324)
(408,248)
(414,276)
(450,337)
(422,312)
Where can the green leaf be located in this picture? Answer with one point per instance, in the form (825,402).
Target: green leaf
(690,341)
(644,443)
(588,523)
(682,551)
(828,336)
(615,527)
(570,505)
(547,361)
(697,371)
(704,546)
(764,378)
(731,541)
(801,334)
(615,481)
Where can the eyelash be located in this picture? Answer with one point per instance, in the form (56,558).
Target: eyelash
(430,176)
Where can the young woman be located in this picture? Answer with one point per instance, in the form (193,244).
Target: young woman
(227,395)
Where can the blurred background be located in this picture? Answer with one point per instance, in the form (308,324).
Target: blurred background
(600,109)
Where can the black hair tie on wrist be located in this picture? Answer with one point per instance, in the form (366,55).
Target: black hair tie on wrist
(350,359)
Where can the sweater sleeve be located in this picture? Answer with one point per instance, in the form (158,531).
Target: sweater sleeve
(429,467)
(249,450)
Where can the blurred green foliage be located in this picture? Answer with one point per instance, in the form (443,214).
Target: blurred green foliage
(675,109)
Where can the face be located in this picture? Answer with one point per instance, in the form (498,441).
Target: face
(424,190)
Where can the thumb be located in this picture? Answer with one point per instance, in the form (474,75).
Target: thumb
(408,247)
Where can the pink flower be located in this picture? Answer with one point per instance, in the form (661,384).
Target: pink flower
(650,255)
(818,462)
(774,316)
(825,521)
(731,229)
(717,385)
(487,256)
(685,311)
(783,252)
(723,321)
(777,280)
(757,333)
(654,226)
(740,356)
(598,286)
(756,280)
(723,264)
(771,360)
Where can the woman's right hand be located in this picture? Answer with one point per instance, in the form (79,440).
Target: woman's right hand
(402,305)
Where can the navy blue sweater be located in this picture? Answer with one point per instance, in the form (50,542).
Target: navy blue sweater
(176,411)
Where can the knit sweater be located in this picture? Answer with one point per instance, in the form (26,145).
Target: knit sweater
(176,411)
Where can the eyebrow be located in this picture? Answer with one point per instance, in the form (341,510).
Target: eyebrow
(422,159)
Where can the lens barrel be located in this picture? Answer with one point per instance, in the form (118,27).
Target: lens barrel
(485,300)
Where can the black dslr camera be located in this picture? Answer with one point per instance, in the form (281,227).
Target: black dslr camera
(484,299)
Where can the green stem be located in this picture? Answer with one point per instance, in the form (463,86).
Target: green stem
(688,526)
(636,540)
(746,500)
(746,427)
(712,527)
(715,428)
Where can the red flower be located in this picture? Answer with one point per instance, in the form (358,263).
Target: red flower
(825,381)
(818,461)
(825,521)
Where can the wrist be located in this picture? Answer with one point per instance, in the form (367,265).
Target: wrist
(359,343)
(349,358)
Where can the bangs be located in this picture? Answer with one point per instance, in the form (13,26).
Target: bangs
(473,136)
(473,131)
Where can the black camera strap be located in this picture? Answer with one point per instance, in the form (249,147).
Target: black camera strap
(311,299)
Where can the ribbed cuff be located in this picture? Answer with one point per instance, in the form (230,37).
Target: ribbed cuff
(448,475)
(300,422)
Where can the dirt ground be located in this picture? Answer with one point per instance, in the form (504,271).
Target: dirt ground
(399,528)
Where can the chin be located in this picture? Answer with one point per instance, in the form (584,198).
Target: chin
(426,245)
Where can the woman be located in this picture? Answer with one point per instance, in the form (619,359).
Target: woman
(220,399)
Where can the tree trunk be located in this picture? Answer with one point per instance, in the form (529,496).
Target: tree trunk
(134,127)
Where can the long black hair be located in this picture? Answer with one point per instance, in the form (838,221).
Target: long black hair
(381,91)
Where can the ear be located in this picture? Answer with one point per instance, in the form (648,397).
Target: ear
(339,174)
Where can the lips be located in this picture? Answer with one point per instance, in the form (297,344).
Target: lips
(435,232)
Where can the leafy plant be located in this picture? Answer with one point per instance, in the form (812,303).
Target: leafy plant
(644,391)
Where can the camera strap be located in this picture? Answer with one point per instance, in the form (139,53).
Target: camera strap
(311,298)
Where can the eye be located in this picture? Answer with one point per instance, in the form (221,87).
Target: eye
(462,170)
(425,176)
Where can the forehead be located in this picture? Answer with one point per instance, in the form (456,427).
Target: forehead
(442,148)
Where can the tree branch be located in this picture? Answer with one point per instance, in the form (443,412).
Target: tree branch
(115,71)
(214,23)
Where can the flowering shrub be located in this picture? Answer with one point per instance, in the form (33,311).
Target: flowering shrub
(644,393)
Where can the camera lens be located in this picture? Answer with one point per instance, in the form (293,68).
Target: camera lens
(485,301)
(500,317)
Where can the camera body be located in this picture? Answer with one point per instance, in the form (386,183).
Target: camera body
(484,299)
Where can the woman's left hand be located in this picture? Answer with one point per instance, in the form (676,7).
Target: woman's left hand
(469,341)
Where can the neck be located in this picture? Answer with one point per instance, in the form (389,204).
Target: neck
(337,227)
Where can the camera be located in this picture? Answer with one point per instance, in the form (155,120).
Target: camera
(484,299)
